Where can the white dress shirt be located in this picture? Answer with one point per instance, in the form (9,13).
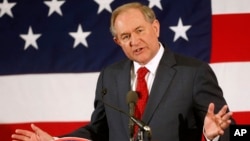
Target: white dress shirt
(151,66)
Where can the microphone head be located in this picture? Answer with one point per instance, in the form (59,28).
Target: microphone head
(132,97)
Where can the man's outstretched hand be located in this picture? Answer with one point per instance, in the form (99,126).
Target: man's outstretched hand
(215,124)
(36,135)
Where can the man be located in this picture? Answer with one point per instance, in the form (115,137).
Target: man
(184,101)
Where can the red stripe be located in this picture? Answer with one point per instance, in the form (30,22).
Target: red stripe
(53,128)
(230,38)
(242,117)
(60,128)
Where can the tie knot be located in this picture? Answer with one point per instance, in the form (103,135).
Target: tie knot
(142,71)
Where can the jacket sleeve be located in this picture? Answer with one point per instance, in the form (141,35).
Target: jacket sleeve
(97,129)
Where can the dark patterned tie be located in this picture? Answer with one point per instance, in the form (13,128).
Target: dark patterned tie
(142,91)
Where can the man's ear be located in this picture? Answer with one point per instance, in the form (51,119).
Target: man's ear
(116,40)
(156,26)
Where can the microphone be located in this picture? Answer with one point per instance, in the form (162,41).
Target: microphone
(132,98)
(138,122)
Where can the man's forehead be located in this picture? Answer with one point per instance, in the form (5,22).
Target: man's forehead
(129,20)
(125,29)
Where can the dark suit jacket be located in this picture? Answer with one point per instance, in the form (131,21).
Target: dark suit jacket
(178,102)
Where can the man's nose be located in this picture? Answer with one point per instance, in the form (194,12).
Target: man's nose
(134,40)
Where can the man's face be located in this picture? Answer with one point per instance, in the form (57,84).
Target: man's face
(137,37)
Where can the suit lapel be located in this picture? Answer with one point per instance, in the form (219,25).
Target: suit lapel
(123,86)
(163,78)
(164,75)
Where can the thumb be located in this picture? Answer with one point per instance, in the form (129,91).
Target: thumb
(42,135)
(210,109)
(36,129)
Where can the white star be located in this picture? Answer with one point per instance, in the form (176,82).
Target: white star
(153,3)
(180,30)
(30,39)
(54,6)
(5,8)
(104,4)
(80,36)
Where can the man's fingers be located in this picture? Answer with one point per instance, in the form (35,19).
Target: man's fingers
(210,109)
(225,124)
(42,135)
(25,135)
(221,132)
(36,129)
(225,120)
(222,111)
(227,116)
(24,132)
(20,137)
(223,116)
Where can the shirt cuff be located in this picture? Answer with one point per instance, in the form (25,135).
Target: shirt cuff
(215,139)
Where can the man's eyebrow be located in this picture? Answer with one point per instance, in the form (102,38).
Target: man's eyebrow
(126,33)
(122,34)
(139,27)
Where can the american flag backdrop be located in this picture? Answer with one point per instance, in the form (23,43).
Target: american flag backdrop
(51,53)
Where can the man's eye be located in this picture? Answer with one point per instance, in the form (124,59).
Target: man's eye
(139,30)
(125,37)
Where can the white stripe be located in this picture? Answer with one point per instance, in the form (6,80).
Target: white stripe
(234,81)
(69,97)
(230,6)
(47,97)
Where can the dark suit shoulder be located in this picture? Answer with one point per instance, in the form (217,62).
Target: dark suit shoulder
(187,60)
(182,60)
(122,64)
(173,59)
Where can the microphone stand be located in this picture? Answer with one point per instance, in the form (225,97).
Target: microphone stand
(141,132)
(143,127)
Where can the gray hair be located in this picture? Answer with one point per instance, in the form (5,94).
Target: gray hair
(145,10)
